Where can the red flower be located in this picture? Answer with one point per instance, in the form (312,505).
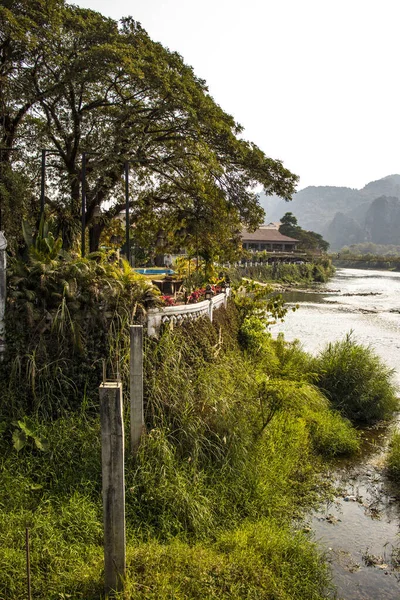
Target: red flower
(168,300)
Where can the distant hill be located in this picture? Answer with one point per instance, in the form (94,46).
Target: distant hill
(344,215)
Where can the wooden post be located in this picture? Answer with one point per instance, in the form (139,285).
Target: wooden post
(112,463)
(136,385)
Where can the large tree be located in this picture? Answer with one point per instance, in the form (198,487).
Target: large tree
(105,88)
(308,240)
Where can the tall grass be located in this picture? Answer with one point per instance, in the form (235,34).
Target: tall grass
(356,381)
(254,561)
(393,457)
(234,441)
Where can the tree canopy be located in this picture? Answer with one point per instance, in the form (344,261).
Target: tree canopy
(74,81)
(309,240)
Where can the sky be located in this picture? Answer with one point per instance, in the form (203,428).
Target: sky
(314,83)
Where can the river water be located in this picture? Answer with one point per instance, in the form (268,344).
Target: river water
(359,529)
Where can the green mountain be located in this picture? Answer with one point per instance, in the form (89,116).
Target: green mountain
(344,215)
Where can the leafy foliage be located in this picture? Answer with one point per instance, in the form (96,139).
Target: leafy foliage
(26,431)
(309,240)
(86,83)
(229,457)
(356,381)
(64,316)
(318,270)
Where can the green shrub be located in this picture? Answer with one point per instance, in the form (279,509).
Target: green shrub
(393,457)
(294,362)
(329,433)
(64,316)
(356,381)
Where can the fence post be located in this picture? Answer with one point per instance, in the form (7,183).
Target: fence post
(3,291)
(136,385)
(113,476)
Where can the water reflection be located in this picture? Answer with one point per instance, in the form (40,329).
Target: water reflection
(367,302)
(359,529)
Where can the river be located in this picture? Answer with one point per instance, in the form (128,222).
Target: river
(359,529)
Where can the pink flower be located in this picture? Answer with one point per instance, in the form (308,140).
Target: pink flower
(168,300)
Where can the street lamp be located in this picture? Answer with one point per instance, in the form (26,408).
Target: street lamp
(83,203)
(127,223)
(45,152)
(84,155)
(4,149)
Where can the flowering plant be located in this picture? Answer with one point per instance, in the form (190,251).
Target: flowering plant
(200,294)
(197,296)
(168,300)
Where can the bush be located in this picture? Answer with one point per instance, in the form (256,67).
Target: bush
(393,457)
(64,315)
(356,381)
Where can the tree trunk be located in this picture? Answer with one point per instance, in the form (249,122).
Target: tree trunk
(94,236)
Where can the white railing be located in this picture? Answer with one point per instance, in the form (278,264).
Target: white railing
(180,313)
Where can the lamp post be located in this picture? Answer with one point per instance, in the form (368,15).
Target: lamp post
(4,149)
(83,203)
(45,153)
(3,278)
(42,183)
(128,249)
(83,239)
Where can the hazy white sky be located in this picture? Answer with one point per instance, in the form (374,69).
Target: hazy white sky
(315,83)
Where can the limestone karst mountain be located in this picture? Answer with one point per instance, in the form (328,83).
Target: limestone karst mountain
(344,215)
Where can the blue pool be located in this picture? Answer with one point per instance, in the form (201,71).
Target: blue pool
(155,271)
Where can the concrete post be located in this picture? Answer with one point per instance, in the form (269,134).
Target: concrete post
(3,291)
(113,475)
(210,309)
(136,385)
(154,321)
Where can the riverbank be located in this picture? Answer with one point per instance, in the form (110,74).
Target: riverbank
(361,262)
(237,437)
(236,440)
(318,270)
(358,528)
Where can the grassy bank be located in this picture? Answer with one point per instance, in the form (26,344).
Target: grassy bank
(238,428)
(236,435)
(386,263)
(318,270)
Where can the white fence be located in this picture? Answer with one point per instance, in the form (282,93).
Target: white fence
(177,314)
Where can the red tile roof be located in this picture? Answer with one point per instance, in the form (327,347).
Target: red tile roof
(265,236)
